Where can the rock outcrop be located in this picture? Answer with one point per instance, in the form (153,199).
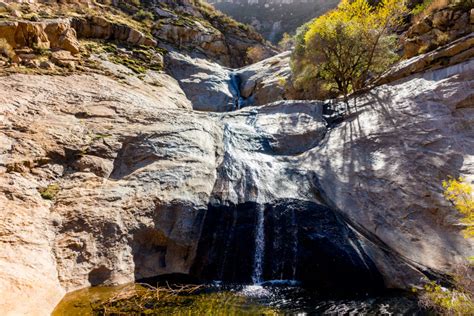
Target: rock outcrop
(437,29)
(206,84)
(267,81)
(49,34)
(110,185)
(97,27)
(448,55)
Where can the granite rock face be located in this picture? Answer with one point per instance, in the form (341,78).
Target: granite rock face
(106,182)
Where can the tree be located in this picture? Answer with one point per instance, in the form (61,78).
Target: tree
(457,300)
(460,194)
(350,45)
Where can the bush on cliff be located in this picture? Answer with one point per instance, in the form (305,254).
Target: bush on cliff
(457,300)
(346,48)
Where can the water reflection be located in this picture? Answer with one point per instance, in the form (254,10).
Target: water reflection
(274,298)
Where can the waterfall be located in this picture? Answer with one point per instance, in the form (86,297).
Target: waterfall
(294,246)
(259,246)
(239,101)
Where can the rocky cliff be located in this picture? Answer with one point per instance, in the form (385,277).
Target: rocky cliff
(109,174)
(273,18)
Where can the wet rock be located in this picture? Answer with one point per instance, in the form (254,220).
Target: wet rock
(312,243)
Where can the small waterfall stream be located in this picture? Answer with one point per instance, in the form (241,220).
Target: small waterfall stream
(294,243)
(239,101)
(259,246)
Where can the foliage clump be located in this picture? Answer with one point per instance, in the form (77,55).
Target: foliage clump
(460,194)
(49,192)
(459,299)
(343,50)
(447,301)
(143,15)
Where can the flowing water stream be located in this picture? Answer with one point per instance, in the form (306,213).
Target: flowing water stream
(259,246)
(239,101)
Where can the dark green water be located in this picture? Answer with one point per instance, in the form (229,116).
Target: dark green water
(242,300)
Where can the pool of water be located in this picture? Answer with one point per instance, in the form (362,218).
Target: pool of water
(271,298)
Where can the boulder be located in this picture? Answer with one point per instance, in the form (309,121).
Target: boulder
(47,65)
(64,58)
(206,84)
(266,81)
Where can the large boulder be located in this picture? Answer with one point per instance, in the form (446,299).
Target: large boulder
(266,81)
(206,83)
(65,136)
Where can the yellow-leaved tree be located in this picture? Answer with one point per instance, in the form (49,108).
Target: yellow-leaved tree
(457,300)
(460,194)
(347,47)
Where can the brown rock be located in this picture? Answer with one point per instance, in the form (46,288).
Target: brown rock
(33,63)
(56,34)
(442,19)
(4,7)
(419,28)
(47,65)
(99,166)
(64,58)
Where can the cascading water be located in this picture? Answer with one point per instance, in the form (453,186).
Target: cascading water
(259,246)
(239,101)
(294,246)
(235,89)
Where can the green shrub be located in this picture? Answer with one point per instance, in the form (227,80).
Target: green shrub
(421,7)
(143,15)
(49,192)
